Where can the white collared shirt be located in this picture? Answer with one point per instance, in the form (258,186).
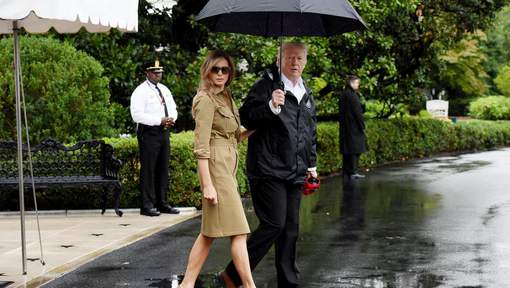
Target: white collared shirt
(146,106)
(298,90)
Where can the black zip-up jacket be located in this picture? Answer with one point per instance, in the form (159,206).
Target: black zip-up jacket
(284,145)
(352,125)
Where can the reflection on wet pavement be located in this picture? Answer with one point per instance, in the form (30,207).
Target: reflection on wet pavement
(366,236)
(405,226)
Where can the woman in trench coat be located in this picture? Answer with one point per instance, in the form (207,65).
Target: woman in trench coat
(217,132)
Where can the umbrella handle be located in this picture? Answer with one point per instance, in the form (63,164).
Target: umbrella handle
(281,86)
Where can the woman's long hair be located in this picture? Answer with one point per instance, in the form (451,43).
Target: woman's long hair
(210,61)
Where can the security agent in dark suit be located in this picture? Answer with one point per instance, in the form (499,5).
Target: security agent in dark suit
(154,111)
(352,128)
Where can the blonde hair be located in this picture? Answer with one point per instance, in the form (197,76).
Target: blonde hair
(294,44)
(212,58)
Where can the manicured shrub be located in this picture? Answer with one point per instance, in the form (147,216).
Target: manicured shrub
(491,108)
(66,94)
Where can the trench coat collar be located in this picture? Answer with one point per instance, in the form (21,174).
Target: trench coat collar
(227,92)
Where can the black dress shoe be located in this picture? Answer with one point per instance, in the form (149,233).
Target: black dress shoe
(149,212)
(168,210)
(357,176)
(217,281)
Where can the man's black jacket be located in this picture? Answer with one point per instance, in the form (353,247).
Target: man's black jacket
(284,145)
(352,125)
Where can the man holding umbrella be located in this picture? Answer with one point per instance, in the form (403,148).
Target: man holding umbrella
(281,154)
(282,150)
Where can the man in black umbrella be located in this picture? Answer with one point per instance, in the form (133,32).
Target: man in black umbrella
(352,129)
(281,154)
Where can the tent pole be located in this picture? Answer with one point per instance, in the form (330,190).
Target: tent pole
(17,68)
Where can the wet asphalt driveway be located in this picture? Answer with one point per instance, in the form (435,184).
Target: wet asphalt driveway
(439,222)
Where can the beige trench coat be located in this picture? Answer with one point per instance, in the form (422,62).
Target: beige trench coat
(217,130)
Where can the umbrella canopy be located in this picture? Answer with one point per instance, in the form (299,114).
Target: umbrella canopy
(68,16)
(282,17)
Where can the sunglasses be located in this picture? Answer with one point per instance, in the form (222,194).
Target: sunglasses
(224,70)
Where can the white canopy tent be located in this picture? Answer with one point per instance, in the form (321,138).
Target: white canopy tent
(65,16)
(69,16)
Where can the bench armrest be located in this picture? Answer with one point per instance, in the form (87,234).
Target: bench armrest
(111,164)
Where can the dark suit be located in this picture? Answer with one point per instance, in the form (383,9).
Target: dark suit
(352,130)
(154,147)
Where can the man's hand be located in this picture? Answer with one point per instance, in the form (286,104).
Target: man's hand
(313,174)
(167,122)
(278,98)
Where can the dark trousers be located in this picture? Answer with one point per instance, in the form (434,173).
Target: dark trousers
(276,204)
(154,145)
(350,164)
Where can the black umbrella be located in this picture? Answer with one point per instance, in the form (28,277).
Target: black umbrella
(281,17)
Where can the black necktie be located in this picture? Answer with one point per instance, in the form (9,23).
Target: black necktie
(162,100)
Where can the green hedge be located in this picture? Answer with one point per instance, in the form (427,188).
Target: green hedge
(184,185)
(391,140)
(408,138)
(402,139)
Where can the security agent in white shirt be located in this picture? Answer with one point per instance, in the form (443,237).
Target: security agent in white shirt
(154,111)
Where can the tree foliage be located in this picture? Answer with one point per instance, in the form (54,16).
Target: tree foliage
(404,52)
(66,94)
(503,80)
(462,67)
(497,46)
(401,49)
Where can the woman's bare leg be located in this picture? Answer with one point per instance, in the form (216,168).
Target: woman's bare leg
(196,260)
(241,261)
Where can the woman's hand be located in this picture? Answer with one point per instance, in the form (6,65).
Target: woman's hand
(210,194)
(245,134)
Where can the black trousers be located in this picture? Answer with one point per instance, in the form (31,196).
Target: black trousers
(276,204)
(350,164)
(154,145)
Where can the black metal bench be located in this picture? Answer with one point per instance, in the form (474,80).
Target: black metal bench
(88,163)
